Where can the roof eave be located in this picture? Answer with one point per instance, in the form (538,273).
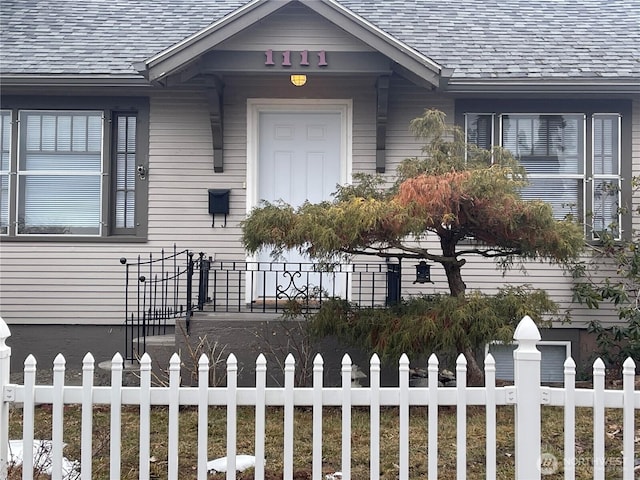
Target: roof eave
(168,61)
(66,80)
(401,53)
(625,86)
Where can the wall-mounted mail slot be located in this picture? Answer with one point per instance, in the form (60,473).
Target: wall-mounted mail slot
(219,204)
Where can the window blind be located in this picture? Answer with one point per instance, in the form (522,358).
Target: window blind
(60,174)
(5,158)
(125,171)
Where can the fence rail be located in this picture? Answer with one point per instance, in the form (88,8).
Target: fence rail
(527,395)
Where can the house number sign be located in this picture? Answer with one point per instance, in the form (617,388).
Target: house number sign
(286,58)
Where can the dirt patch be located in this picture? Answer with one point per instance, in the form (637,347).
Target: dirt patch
(269,475)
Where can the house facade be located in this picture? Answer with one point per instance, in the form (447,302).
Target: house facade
(118,118)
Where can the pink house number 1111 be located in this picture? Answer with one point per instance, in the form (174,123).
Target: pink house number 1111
(304,58)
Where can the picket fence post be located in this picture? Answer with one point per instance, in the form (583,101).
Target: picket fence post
(526,370)
(5,361)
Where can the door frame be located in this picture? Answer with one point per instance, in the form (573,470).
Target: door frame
(256,106)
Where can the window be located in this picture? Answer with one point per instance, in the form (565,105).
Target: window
(73,173)
(60,173)
(607,186)
(125,170)
(551,148)
(572,160)
(553,354)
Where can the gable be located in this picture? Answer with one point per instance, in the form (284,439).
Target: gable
(294,27)
(248,27)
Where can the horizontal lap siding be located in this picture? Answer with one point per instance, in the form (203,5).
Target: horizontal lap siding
(635,161)
(84,282)
(406,103)
(65,283)
(180,174)
(294,28)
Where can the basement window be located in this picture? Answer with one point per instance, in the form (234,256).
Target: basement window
(553,356)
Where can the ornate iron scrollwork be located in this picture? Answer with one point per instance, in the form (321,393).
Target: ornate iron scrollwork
(293,292)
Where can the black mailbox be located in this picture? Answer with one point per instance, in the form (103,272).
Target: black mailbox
(219,203)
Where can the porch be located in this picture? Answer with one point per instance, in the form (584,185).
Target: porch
(234,300)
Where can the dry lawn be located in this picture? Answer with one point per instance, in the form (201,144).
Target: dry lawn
(552,441)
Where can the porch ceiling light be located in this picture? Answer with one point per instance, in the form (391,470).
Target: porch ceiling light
(298,80)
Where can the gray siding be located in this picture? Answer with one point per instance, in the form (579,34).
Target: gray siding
(407,102)
(64,283)
(84,282)
(294,27)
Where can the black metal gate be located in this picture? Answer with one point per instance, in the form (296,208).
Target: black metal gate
(158,290)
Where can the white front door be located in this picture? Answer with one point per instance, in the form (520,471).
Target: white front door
(299,159)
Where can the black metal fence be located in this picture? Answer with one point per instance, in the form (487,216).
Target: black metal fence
(234,286)
(159,290)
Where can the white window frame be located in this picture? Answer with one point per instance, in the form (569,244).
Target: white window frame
(617,178)
(580,177)
(466,129)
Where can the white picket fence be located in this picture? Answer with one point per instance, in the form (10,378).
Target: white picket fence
(527,395)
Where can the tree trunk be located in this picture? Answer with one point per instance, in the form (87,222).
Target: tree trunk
(453,268)
(475,375)
(457,287)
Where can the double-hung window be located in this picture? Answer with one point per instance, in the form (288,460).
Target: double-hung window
(72,173)
(573,160)
(60,172)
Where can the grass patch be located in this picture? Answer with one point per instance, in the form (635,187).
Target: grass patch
(552,441)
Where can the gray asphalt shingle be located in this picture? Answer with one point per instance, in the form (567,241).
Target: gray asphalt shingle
(517,38)
(478,38)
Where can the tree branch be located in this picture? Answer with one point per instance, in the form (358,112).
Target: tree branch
(490,253)
(406,252)
(424,253)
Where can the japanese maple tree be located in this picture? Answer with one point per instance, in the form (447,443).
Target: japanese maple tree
(455,192)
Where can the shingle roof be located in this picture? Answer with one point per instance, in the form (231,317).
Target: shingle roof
(97,36)
(478,38)
(516,38)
